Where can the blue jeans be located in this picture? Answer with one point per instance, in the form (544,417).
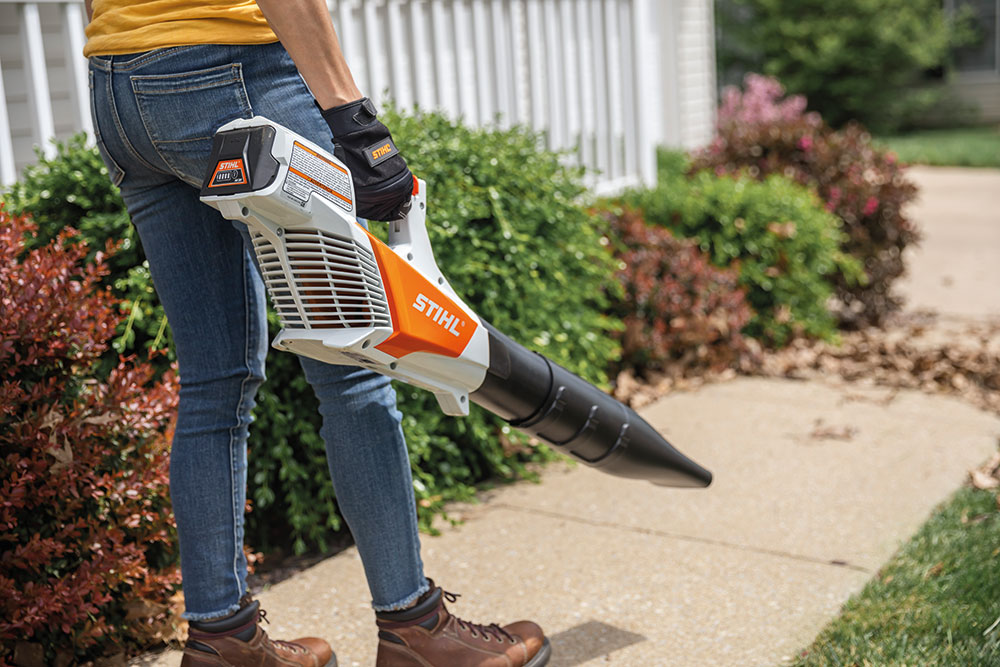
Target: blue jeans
(154,117)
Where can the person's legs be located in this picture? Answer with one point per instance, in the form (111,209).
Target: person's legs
(215,305)
(214,302)
(156,117)
(370,468)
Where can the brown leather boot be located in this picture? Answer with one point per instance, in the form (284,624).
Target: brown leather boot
(426,635)
(238,641)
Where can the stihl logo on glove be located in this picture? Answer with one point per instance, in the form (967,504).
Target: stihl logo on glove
(228,172)
(438,314)
(381,152)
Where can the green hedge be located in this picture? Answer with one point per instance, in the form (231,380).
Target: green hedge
(785,244)
(509,232)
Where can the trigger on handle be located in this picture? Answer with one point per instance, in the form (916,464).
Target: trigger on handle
(406,207)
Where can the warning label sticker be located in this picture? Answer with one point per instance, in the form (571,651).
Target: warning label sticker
(310,172)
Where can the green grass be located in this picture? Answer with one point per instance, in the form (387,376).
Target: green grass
(932,603)
(958,147)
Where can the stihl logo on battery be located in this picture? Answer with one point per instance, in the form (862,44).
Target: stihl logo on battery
(228,172)
(438,314)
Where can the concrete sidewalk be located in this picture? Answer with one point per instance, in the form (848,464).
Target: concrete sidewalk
(815,486)
(743,573)
(956,269)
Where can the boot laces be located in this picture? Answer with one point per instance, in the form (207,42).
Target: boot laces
(278,643)
(487,631)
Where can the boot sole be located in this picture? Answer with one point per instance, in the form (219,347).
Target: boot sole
(201,662)
(542,657)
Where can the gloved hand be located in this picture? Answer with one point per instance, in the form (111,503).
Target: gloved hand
(383,183)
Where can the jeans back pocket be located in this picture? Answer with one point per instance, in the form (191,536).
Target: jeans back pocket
(115,172)
(181,112)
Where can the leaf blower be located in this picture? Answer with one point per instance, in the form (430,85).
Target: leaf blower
(345,297)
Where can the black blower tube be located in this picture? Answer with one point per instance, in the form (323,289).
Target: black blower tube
(545,400)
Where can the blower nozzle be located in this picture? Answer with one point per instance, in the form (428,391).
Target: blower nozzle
(543,399)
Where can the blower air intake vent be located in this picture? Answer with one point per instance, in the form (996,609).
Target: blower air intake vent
(321,281)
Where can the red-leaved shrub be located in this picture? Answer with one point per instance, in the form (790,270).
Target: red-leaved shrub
(764,133)
(681,313)
(86,532)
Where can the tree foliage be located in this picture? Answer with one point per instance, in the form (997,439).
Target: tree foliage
(863,60)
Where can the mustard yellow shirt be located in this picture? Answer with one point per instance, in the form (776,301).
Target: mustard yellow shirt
(131,26)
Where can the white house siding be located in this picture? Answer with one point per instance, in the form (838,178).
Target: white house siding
(612,78)
(982,92)
(688,60)
(977,80)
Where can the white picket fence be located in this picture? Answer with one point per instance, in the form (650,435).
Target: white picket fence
(586,73)
(29,97)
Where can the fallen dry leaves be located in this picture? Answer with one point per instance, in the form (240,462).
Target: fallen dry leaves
(823,431)
(987,476)
(638,392)
(918,351)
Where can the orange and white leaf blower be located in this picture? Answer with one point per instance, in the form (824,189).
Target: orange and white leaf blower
(344,297)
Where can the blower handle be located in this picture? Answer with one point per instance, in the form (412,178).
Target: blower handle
(408,239)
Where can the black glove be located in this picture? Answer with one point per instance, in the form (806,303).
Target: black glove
(383,183)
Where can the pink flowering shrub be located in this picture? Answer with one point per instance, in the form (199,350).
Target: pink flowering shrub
(761,103)
(762,131)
